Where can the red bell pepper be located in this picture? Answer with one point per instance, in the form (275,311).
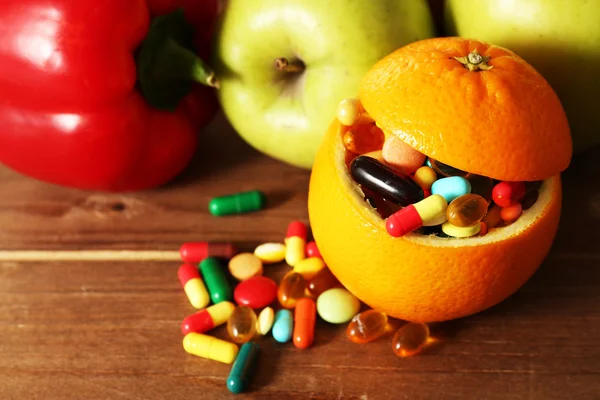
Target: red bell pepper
(99,94)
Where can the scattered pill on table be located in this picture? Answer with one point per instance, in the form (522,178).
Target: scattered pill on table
(210,347)
(193,286)
(207,319)
(238,203)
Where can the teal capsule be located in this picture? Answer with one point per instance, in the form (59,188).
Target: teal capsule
(242,368)
(215,280)
(283,327)
(451,187)
(238,203)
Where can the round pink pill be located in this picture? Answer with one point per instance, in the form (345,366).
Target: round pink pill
(401,156)
(256,292)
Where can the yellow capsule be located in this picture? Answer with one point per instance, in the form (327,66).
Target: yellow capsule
(309,267)
(270,253)
(210,347)
(431,208)
(461,231)
(265,321)
(348,111)
(425,176)
(294,250)
(197,294)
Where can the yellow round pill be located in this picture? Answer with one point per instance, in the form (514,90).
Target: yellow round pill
(348,111)
(460,231)
(425,176)
(244,266)
(270,253)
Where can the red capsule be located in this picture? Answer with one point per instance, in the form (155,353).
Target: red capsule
(312,250)
(207,319)
(195,252)
(256,292)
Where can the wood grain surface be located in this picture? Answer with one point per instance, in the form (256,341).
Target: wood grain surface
(110,330)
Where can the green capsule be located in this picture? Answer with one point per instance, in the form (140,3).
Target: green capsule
(242,367)
(238,203)
(215,280)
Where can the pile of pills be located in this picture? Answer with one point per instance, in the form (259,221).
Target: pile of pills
(248,308)
(418,194)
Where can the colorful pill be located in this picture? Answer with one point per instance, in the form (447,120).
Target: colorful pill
(466,210)
(382,179)
(291,288)
(295,242)
(309,267)
(505,194)
(460,231)
(305,317)
(349,111)
(215,279)
(401,156)
(241,325)
(238,203)
(207,319)
(493,219)
(265,321)
(195,252)
(283,327)
(244,266)
(210,347)
(412,217)
(512,213)
(484,229)
(445,169)
(193,286)
(425,176)
(256,292)
(410,339)
(270,253)
(363,138)
(242,368)
(451,187)
(367,326)
(322,281)
(337,306)
(312,250)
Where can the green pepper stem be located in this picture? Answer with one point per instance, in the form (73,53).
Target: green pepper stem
(173,61)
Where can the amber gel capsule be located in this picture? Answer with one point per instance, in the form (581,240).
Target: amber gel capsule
(410,339)
(241,325)
(400,189)
(291,288)
(322,281)
(367,326)
(238,203)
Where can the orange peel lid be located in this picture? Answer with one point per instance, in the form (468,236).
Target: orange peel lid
(506,122)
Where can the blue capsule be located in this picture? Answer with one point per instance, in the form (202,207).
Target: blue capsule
(451,187)
(283,327)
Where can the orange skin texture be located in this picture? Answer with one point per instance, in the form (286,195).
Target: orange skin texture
(412,281)
(506,123)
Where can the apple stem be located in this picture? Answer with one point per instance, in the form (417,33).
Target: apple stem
(475,61)
(284,65)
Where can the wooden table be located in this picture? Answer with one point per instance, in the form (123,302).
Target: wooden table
(110,330)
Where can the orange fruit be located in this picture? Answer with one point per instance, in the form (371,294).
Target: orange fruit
(504,122)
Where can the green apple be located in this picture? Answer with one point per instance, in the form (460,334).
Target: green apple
(560,38)
(323,48)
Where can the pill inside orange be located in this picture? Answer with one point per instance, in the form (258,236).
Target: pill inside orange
(503,122)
